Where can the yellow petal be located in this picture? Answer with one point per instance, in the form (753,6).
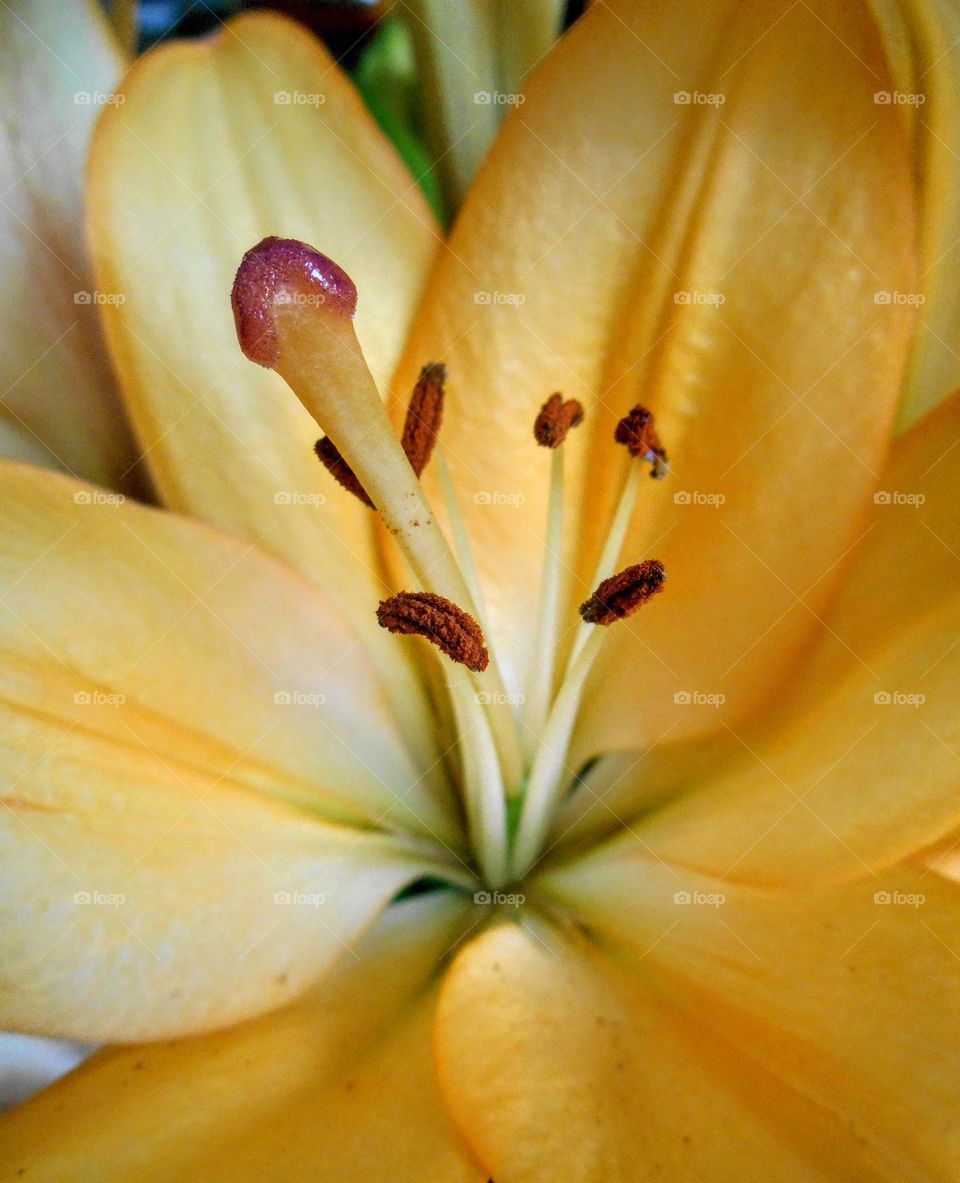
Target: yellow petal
(602,202)
(922,44)
(863,779)
(339,1087)
(150,630)
(142,898)
(859,766)
(621,787)
(58,66)
(252,132)
(845,995)
(908,562)
(18,442)
(557,1064)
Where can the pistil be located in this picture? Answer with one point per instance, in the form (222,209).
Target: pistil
(294,311)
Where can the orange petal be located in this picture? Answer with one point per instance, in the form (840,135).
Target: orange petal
(143,899)
(169,773)
(604,204)
(558,1064)
(841,995)
(907,564)
(330,1089)
(857,763)
(922,44)
(862,780)
(218,655)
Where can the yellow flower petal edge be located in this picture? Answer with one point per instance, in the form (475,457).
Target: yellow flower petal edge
(842,994)
(922,43)
(331,1088)
(557,1062)
(58,68)
(621,787)
(142,899)
(905,566)
(591,257)
(862,781)
(165,637)
(218,143)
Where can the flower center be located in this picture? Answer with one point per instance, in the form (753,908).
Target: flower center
(294,310)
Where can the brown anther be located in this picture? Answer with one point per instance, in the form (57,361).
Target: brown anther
(424,415)
(636,431)
(452,630)
(340,470)
(622,594)
(556,418)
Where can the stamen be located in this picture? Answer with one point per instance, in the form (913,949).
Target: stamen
(461,541)
(419,433)
(424,415)
(556,418)
(550,776)
(293,309)
(621,595)
(484,795)
(445,625)
(340,470)
(637,432)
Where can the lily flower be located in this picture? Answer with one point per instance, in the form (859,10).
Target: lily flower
(633,860)
(59,404)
